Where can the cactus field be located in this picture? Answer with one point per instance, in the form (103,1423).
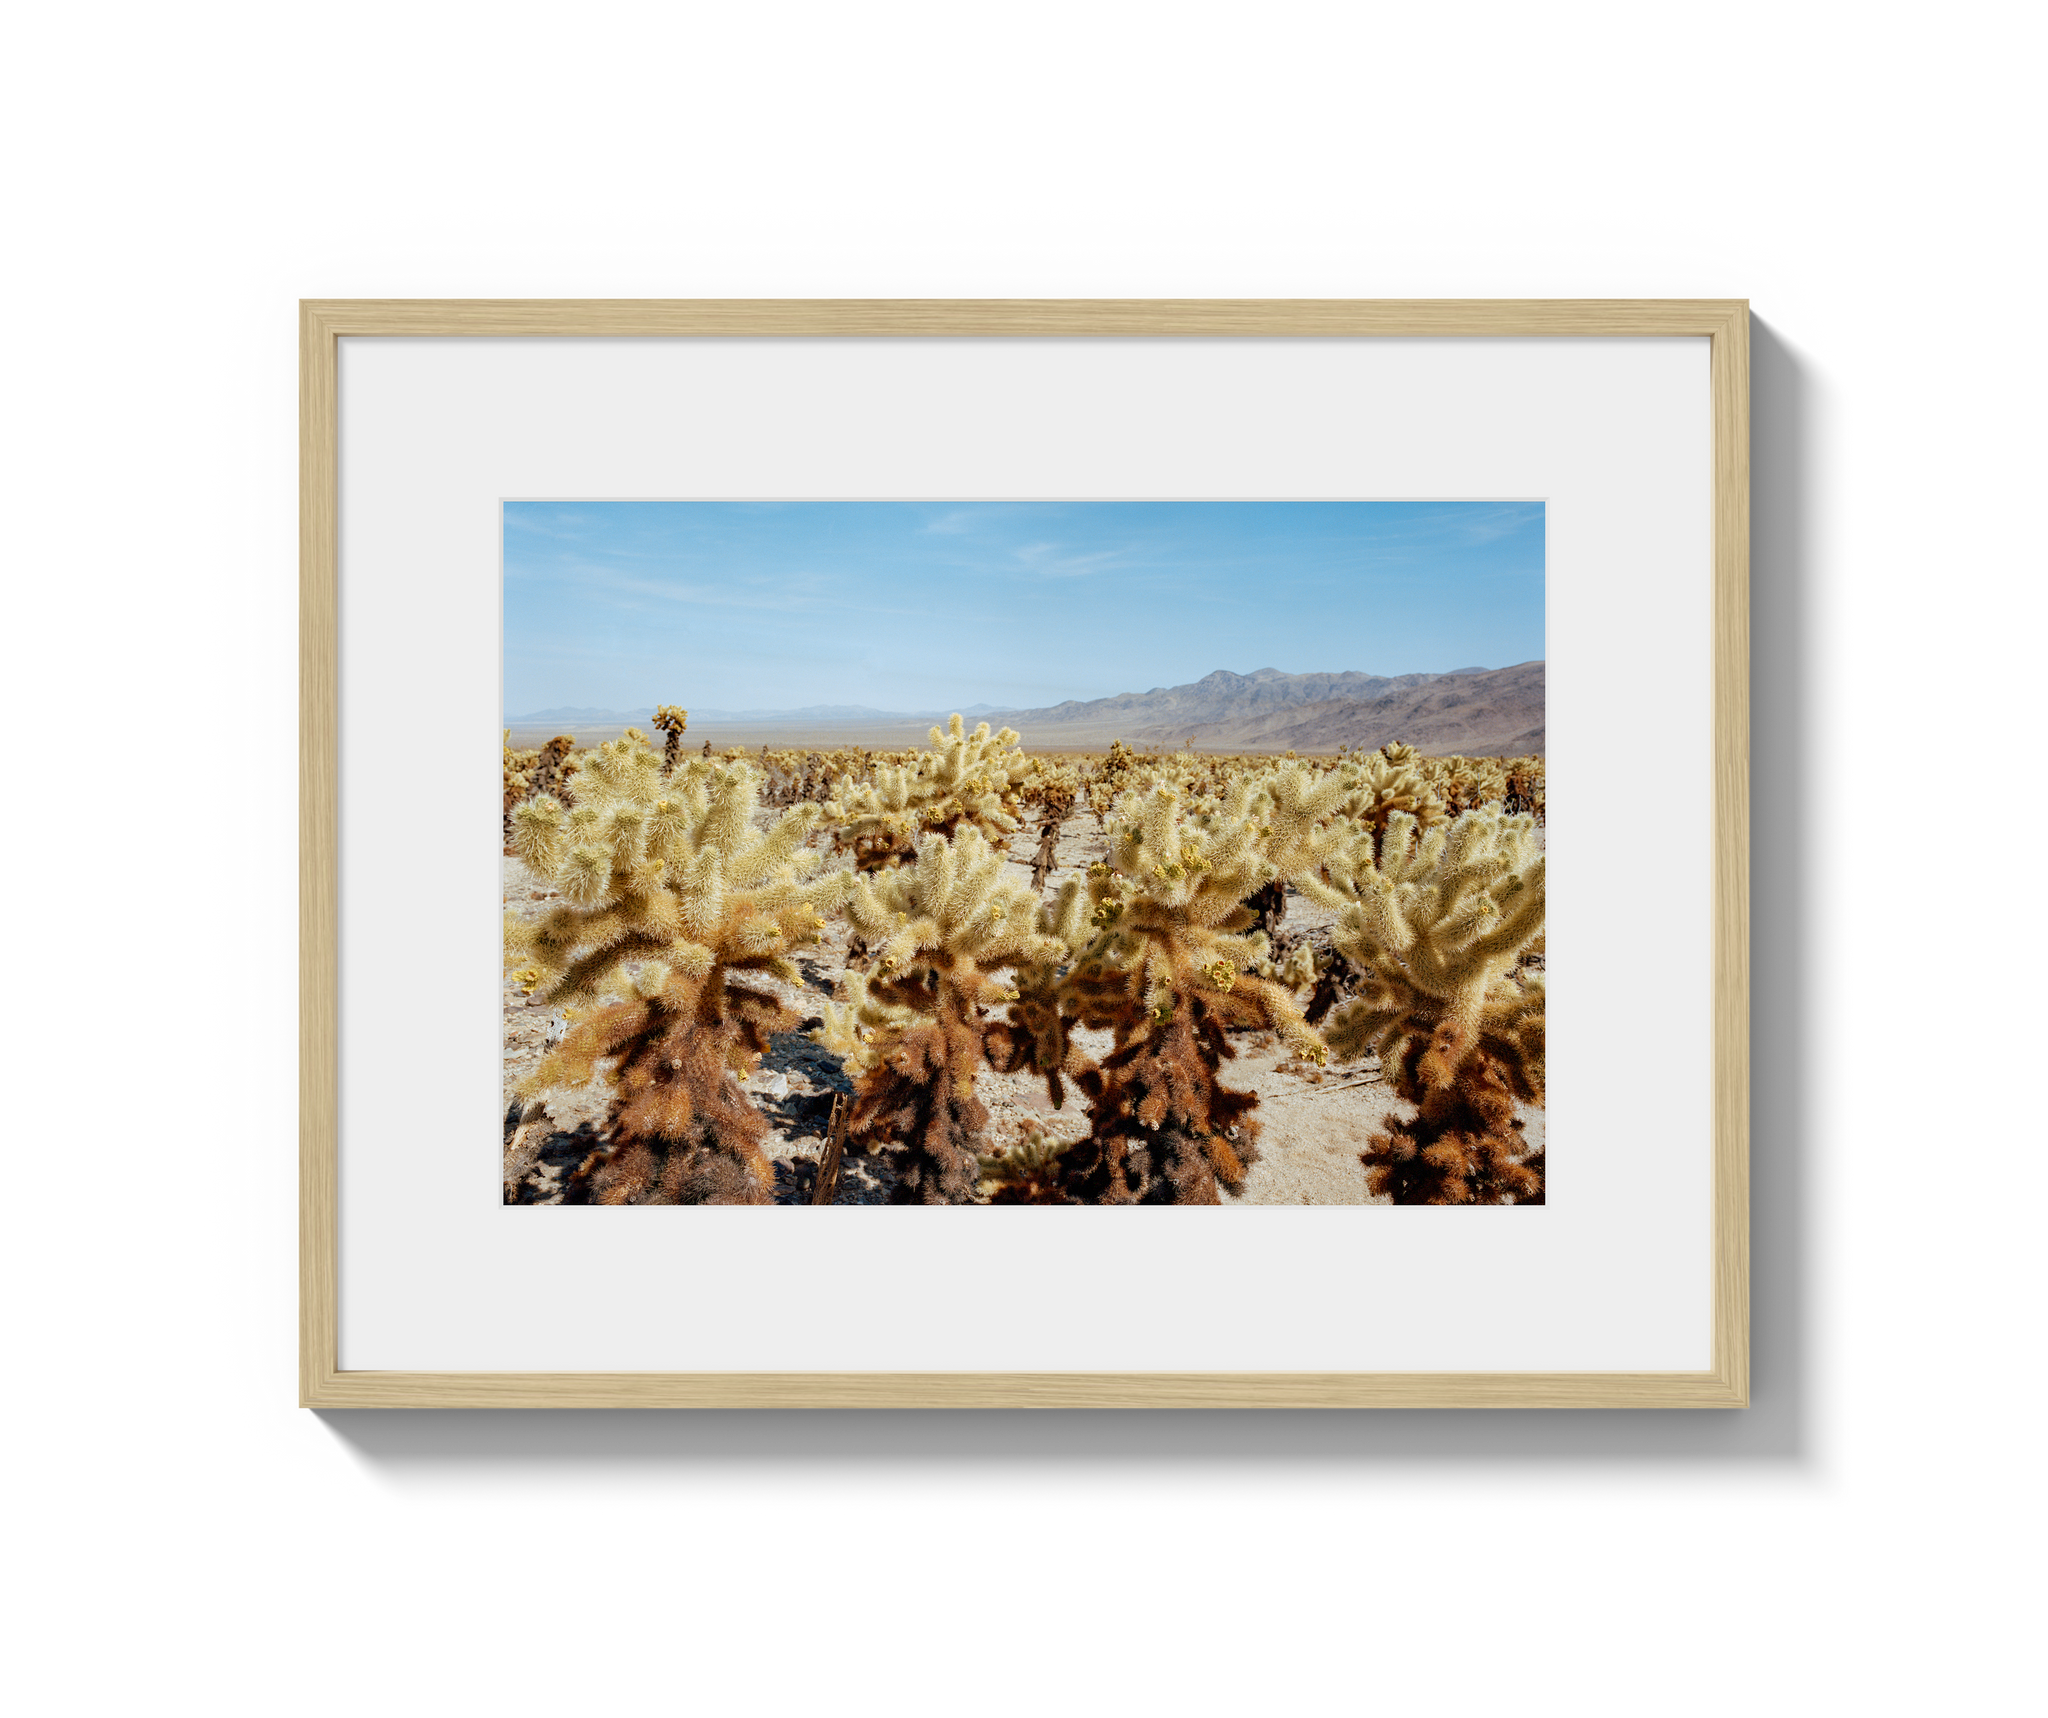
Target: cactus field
(968,973)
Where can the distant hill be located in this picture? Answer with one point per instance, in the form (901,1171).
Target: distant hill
(1479,712)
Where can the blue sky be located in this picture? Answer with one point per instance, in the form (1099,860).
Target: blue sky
(942,605)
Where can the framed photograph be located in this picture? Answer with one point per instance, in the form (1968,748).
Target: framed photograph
(1023,874)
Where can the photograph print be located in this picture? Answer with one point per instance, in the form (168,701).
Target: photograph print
(1046,853)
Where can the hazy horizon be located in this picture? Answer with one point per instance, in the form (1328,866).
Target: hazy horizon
(923,606)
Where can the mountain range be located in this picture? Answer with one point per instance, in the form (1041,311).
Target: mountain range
(1477,711)
(1481,712)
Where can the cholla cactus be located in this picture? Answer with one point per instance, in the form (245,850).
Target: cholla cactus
(1438,924)
(557,764)
(1331,978)
(913,1031)
(519,763)
(1109,779)
(1526,787)
(1390,782)
(1053,790)
(1269,908)
(672,895)
(1027,1173)
(1037,1034)
(671,719)
(965,780)
(1292,967)
(528,773)
(1466,784)
(1168,974)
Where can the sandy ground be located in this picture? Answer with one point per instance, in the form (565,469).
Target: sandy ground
(1314,1121)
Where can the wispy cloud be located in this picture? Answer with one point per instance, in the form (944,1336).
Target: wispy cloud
(1462,523)
(783,594)
(978,517)
(1476,525)
(1052,561)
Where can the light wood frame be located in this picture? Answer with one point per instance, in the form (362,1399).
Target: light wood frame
(322,323)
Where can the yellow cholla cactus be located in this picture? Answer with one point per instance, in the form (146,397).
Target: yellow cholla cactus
(1440,923)
(1295,970)
(672,720)
(861,1028)
(530,771)
(945,933)
(965,780)
(1439,920)
(1389,782)
(672,897)
(1169,972)
(1037,1034)
(1053,789)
